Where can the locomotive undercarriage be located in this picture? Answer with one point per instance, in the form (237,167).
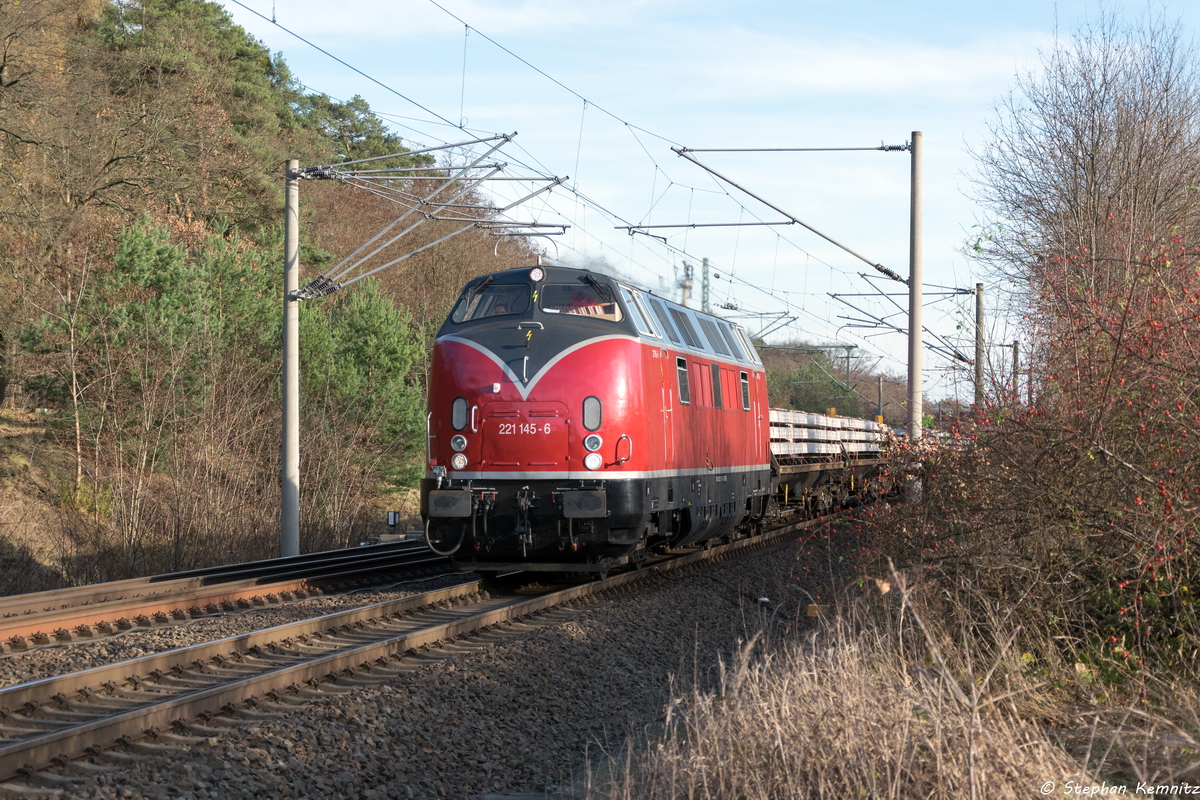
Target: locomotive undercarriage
(593,525)
(588,524)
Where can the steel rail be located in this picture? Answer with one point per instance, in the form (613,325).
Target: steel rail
(69,740)
(272,567)
(170,598)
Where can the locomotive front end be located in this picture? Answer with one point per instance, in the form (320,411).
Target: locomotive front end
(535,409)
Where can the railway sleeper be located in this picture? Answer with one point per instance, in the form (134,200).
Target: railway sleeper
(119,757)
(41,780)
(155,748)
(95,707)
(138,694)
(201,731)
(13,733)
(185,682)
(72,716)
(106,699)
(173,738)
(39,724)
(87,769)
(261,713)
(235,670)
(223,722)
(283,706)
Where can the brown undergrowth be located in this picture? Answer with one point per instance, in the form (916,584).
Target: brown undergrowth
(906,686)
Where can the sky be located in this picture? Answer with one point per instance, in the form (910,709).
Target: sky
(601,94)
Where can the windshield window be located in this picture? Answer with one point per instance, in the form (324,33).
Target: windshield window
(493,300)
(579,298)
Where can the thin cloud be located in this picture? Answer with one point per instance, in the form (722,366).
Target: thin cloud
(780,66)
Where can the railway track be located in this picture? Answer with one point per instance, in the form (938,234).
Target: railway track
(54,720)
(90,612)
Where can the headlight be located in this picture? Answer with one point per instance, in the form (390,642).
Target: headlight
(536,274)
(591,460)
(592,442)
(459,442)
(458,461)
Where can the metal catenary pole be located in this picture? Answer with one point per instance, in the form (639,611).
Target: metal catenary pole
(290,500)
(915,399)
(979,346)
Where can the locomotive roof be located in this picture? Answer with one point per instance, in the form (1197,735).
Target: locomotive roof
(645,315)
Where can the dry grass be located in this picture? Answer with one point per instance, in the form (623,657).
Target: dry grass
(899,700)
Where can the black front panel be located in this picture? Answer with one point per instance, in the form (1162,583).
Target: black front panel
(548,520)
(577,520)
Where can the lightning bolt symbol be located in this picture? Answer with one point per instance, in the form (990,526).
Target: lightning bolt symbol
(528,335)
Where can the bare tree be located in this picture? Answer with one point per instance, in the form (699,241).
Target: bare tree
(1095,154)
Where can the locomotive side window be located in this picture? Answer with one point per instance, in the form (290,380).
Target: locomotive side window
(716,384)
(686,329)
(578,298)
(639,314)
(702,384)
(661,313)
(749,347)
(732,342)
(714,338)
(591,413)
(745,392)
(681,370)
(643,305)
(458,413)
(492,300)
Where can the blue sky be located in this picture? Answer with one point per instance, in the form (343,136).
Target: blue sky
(657,73)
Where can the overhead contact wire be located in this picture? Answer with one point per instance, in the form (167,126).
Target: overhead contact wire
(322,50)
(541,168)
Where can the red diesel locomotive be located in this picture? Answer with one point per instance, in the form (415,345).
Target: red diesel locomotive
(576,422)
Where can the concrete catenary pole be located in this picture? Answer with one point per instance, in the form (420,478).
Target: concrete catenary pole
(979,346)
(915,299)
(1029,380)
(1016,373)
(290,506)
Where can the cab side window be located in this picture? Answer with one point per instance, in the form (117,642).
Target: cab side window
(685,391)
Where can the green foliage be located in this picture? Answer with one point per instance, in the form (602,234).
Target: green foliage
(142,143)
(200,40)
(356,131)
(360,360)
(89,499)
(139,345)
(807,383)
(159,342)
(222,110)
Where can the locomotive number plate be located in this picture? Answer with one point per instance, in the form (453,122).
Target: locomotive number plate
(532,434)
(522,428)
